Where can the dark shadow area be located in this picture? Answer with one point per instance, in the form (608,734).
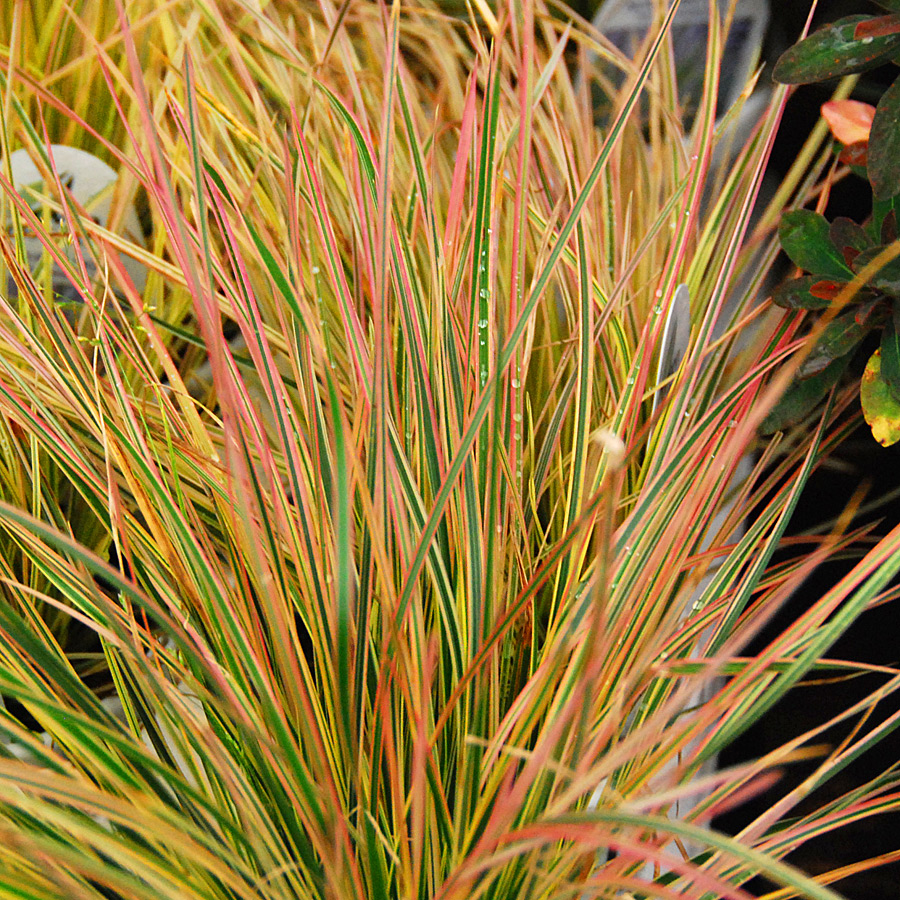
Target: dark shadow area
(860,464)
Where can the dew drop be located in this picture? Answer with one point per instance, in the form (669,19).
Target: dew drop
(315,270)
(516,383)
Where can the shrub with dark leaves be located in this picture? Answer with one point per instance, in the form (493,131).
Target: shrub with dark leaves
(853,271)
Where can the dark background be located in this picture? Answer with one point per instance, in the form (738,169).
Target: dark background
(861,462)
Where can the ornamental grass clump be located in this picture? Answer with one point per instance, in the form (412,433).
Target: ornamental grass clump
(367,550)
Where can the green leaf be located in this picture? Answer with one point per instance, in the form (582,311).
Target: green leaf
(890,358)
(833,51)
(216,179)
(797,294)
(884,145)
(881,210)
(880,408)
(805,237)
(802,396)
(893,5)
(840,338)
(887,278)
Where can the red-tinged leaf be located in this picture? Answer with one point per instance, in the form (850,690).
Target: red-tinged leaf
(849,120)
(880,408)
(889,228)
(848,238)
(826,290)
(797,294)
(871,313)
(849,255)
(884,145)
(805,237)
(833,51)
(456,202)
(878,27)
(840,338)
(855,154)
(881,211)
